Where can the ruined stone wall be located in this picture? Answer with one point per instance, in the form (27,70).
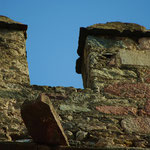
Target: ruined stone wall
(114,59)
(13,62)
(114,63)
(116,116)
(89,119)
(13,75)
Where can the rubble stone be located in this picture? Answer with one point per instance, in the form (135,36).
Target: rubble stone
(81,135)
(144,43)
(137,125)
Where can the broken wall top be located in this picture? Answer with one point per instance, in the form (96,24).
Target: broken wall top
(8,23)
(116,116)
(111,29)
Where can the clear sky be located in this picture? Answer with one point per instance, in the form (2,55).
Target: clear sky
(53,31)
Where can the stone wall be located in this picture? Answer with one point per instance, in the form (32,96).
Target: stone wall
(13,75)
(89,119)
(115,115)
(114,63)
(14,67)
(122,57)
(112,60)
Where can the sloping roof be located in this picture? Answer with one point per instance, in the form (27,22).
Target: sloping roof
(110,29)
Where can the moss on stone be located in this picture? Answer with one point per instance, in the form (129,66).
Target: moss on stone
(118,26)
(7,20)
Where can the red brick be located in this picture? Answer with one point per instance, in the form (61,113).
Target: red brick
(117,110)
(129,90)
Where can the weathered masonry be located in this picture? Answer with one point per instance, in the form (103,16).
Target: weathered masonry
(111,112)
(14,67)
(112,53)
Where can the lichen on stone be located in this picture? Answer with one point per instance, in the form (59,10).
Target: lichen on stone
(118,26)
(7,20)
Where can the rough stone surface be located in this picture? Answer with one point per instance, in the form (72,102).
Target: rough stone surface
(114,63)
(81,135)
(102,60)
(129,90)
(14,67)
(113,109)
(43,122)
(14,76)
(115,56)
(117,110)
(144,43)
(140,58)
(147,107)
(98,125)
(119,26)
(137,125)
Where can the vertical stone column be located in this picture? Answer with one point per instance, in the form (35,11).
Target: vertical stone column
(13,62)
(113,53)
(14,76)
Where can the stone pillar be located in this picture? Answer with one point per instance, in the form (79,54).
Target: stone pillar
(112,53)
(14,77)
(13,62)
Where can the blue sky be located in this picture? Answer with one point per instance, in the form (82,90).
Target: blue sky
(53,31)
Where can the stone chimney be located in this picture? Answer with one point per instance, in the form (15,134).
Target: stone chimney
(14,67)
(112,53)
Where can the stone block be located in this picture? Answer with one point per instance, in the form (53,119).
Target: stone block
(117,110)
(43,122)
(138,125)
(128,90)
(144,74)
(144,43)
(112,74)
(146,109)
(137,58)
